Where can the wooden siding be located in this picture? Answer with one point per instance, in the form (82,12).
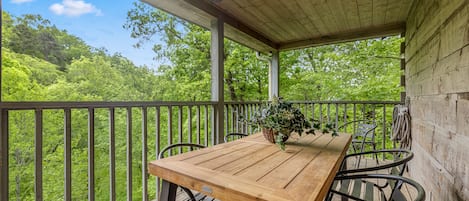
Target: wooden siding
(266,25)
(437,84)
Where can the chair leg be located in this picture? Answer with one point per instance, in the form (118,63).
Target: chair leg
(168,191)
(376,155)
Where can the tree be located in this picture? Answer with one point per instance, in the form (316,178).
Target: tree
(187,47)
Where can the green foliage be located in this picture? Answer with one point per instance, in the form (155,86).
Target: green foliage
(35,36)
(282,117)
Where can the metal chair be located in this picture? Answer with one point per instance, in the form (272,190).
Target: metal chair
(364,187)
(363,133)
(393,162)
(234,136)
(181,147)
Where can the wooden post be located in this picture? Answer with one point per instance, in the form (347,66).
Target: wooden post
(217,59)
(403,64)
(274,72)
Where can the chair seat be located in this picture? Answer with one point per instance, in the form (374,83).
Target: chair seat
(369,187)
(359,189)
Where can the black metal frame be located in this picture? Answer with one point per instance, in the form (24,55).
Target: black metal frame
(239,135)
(168,188)
(395,195)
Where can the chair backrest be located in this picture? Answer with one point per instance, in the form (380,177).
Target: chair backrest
(396,193)
(364,130)
(392,160)
(361,128)
(234,136)
(181,146)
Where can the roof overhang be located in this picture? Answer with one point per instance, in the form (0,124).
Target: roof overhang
(267,25)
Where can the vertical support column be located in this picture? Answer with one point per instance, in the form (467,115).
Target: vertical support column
(403,93)
(274,72)
(217,59)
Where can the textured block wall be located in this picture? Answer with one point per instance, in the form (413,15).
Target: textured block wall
(437,85)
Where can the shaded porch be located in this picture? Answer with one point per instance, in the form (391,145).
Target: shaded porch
(435,62)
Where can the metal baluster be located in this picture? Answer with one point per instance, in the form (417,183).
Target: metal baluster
(68,154)
(170,128)
(198,123)
(38,155)
(306,110)
(320,114)
(384,127)
(247,111)
(180,137)
(157,144)
(213,125)
(364,111)
(129,153)
(144,154)
(237,118)
(4,149)
(112,154)
(206,126)
(189,123)
(91,167)
(345,113)
(354,115)
(312,111)
(336,115)
(328,112)
(227,118)
(233,121)
(373,112)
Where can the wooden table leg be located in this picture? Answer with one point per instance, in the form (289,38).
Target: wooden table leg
(168,191)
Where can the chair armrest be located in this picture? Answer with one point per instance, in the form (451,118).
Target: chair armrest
(409,155)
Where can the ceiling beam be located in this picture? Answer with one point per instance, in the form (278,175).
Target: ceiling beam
(216,12)
(367,33)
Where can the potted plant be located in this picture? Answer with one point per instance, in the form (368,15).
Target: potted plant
(278,119)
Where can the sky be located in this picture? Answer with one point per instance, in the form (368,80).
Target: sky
(97,22)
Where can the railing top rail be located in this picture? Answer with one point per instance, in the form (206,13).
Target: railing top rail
(99,104)
(243,102)
(109,104)
(322,102)
(346,102)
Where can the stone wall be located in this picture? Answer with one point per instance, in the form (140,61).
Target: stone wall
(437,87)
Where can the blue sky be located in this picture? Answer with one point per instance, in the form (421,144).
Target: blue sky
(97,22)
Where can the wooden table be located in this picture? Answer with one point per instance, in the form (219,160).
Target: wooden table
(254,169)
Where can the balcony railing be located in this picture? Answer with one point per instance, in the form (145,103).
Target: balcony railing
(85,142)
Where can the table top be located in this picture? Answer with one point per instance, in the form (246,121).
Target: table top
(253,169)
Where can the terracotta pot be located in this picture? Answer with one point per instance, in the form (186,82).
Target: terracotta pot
(270,135)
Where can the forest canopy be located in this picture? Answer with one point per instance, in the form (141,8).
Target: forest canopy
(47,63)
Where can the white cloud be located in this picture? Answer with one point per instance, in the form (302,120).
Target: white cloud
(20,1)
(73,8)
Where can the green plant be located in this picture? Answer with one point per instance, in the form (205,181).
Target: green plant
(283,118)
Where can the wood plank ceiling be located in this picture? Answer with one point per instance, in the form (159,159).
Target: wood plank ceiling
(267,25)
